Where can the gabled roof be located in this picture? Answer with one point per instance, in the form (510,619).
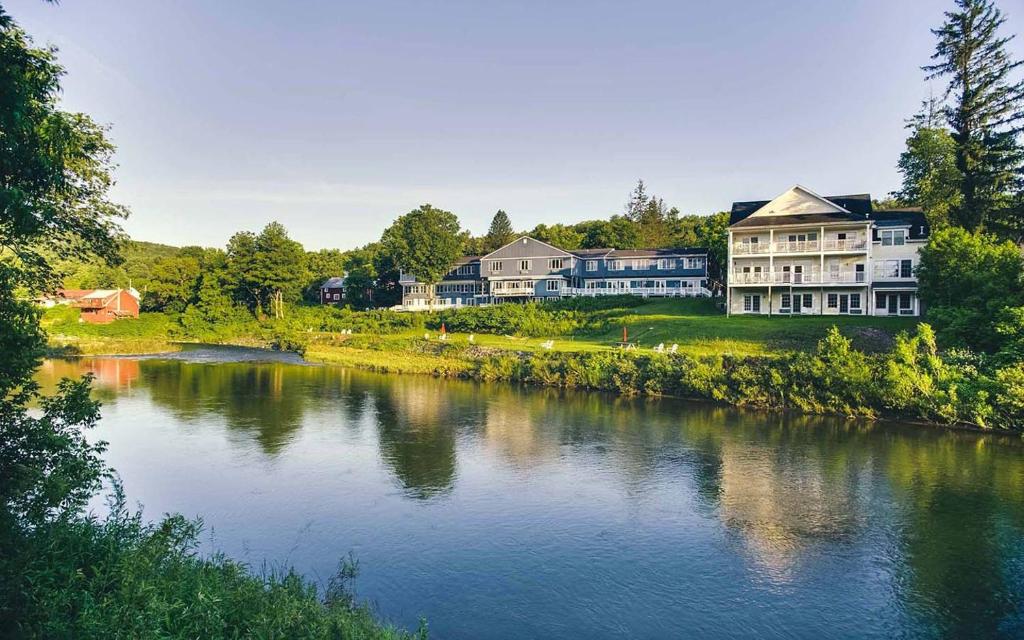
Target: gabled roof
(100,294)
(333,283)
(526,240)
(800,205)
(466,260)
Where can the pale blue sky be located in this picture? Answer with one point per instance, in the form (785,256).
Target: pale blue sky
(336,117)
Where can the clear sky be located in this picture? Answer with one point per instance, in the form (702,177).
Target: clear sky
(336,117)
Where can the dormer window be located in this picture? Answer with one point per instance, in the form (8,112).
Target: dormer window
(893,237)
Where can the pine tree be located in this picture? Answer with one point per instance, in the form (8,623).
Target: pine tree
(500,232)
(985,113)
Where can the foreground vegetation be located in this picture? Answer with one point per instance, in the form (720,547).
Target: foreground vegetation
(65,573)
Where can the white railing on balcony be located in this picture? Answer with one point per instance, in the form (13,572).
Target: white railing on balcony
(750,248)
(671,292)
(845,244)
(508,291)
(799,246)
(796,246)
(807,277)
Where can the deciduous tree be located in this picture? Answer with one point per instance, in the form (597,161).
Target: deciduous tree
(424,242)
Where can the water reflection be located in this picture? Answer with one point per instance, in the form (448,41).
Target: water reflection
(932,521)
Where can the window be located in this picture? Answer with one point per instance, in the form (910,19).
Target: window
(666,263)
(855,301)
(752,303)
(615,265)
(693,263)
(466,270)
(591,265)
(906,269)
(880,300)
(337,296)
(906,304)
(893,237)
(525,265)
(555,263)
(496,266)
(840,236)
(641,264)
(808,301)
(554,285)
(833,301)
(786,302)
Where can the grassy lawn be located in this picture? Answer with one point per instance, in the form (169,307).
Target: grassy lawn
(695,325)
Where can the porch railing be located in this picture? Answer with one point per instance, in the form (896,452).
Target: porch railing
(794,277)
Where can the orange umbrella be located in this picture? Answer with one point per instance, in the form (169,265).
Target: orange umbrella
(443,331)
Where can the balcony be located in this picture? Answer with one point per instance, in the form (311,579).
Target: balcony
(646,292)
(813,276)
(845,244)
(799,246)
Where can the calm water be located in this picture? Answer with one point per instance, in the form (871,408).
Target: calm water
(499,512)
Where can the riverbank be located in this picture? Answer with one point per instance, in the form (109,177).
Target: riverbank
(851,366)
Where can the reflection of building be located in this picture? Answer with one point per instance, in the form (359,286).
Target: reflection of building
(780,507)
(116,373)
(509,427)
(110,373)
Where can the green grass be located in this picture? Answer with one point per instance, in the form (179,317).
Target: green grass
(696,325)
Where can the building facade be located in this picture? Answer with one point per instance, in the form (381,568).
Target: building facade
(802,253)
(102,306)
(528,269)
(332,291)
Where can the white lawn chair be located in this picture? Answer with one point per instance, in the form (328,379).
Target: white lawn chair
(548,344)
(675,347)
(471,338)
(443,336)
(426,336)
(660,348)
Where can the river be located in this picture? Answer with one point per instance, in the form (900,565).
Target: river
(496,511)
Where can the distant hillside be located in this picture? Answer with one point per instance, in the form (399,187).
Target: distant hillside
(139,258)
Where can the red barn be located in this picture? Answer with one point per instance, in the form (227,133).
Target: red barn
(106,305)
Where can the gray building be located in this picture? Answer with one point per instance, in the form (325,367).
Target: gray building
(528,269)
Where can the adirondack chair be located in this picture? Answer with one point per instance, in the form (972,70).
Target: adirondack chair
(549,344)
(675,348)
(660,348)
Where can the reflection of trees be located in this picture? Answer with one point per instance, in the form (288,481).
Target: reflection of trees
(964,504)
(416,425)
(267,401)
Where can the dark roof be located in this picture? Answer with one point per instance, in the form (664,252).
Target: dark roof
(333,283)
(859,203)
(591,252)
(801,218)
(657,253)
(912,216)
(467,260)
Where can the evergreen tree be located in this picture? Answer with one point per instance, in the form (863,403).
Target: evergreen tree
(499,233)
(985,113)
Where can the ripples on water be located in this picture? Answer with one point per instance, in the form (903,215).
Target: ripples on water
(501,512)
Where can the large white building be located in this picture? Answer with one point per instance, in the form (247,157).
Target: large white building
(802,253)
